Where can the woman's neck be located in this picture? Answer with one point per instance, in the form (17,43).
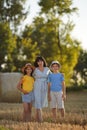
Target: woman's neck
(41,68)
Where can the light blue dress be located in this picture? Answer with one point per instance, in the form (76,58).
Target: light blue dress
(40,87)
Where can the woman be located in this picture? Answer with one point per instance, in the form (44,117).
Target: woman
(40,74)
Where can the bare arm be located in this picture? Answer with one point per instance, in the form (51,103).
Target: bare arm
(64,89)
(49,98)
(20,88)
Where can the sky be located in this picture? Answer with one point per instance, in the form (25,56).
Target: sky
(80,31)
(80,20)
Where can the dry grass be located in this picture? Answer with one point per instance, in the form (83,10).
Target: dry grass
(75,118)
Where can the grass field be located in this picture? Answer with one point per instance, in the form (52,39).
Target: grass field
(75,118)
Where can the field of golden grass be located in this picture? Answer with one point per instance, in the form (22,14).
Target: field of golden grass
(75,117)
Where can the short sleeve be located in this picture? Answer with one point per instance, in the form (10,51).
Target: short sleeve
(49,78)
(62,77)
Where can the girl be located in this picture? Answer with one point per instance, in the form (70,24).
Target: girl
(25,85)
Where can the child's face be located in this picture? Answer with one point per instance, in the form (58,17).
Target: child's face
(55,67)
(28,70)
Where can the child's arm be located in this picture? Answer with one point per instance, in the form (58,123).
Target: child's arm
(20,88)
(64,89)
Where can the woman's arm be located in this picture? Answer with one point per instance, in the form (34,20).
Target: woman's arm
(49,97)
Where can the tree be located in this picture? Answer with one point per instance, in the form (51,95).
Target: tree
(57,6)
(80,70)
(25,51)
(15,51)
(53,36)
(45,36)
(57,9)
(7,45)
(13,12)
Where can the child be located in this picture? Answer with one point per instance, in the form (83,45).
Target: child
(25,85)
(56,89)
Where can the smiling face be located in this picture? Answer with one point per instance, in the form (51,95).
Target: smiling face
(28,70)
(40,63)
(55,68)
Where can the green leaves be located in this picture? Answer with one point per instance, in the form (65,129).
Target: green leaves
(7,43)
(81,69)
(12,11)
(59,7)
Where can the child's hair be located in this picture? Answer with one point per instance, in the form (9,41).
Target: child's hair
(25,67)
(40,58)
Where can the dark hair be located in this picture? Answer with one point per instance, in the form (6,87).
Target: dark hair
(40,58)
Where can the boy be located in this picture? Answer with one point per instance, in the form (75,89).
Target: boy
(56,89)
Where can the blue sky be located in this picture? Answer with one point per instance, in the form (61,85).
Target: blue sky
(80,20)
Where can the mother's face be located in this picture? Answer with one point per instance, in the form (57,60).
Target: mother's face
(40,63)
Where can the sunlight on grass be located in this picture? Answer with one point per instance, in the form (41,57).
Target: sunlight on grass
(75,117)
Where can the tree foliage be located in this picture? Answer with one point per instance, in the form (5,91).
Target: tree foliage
(7,45)
(80,70)
(48,35)
(43,32)
(53,36)
(12,11)
(57,6)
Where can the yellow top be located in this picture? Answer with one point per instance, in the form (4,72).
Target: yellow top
(27,83)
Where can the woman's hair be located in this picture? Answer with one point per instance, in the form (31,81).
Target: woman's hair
(40,58)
